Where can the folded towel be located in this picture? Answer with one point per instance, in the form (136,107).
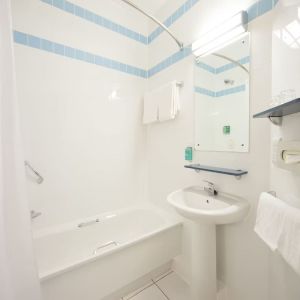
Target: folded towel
(269,219)
(162,104)
(291,157)
(168,101)
(289,240)
(150,108)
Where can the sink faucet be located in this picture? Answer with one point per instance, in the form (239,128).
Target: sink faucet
(210,189)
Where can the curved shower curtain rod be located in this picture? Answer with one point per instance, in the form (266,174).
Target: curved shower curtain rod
(180,44)
(231,60)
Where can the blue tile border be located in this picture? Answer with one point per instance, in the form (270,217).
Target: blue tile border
(77,54)
(96,19)
(204,91)
(170,60)
(245,60)
(177,14)
(221,93)
(255,10)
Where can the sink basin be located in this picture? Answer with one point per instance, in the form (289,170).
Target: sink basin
(194,203)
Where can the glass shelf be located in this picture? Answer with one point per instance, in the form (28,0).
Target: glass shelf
(231,172)
(277,112)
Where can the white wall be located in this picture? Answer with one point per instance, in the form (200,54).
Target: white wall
(243,260)
(285,75)
(89,148)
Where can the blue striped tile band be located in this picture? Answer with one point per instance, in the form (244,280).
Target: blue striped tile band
(67,51)
(225,92)
(255,10)
(177,14)
(169,61)
(245,60)
(204,91)
(78,54)
(96,19)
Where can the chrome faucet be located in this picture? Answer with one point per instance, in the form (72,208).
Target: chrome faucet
(34,214)
(210,188)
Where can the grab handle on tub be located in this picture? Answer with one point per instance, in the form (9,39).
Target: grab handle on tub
(105,245)
(84,224)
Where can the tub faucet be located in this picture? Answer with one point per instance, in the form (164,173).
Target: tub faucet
(210,188)
(34,214)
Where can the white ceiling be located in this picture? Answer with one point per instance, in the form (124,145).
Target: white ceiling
(150,6)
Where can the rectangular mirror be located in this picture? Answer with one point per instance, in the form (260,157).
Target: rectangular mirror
(221,92)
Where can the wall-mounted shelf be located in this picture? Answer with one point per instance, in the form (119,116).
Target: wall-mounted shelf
(276,113)
(197,167)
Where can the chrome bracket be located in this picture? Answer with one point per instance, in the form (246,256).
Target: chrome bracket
(276,120)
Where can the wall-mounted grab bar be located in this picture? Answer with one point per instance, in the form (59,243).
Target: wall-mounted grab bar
(39,178)
(105,245)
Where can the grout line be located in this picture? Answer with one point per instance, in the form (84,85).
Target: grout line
(161,290)
(146,287)
(164,276)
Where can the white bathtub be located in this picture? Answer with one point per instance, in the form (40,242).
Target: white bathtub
(92,262)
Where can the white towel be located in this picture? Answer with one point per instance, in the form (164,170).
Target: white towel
(289,240)
(150,108)
(291,157)
(168,101)
(269,219)
(162,104)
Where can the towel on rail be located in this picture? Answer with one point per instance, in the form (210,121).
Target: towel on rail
(289,240)
(162,104)
(168,102)
(269,219)
(150,108)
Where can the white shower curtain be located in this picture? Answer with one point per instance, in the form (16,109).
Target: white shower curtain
(18,275)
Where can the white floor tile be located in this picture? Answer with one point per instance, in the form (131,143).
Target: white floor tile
(174,287)
(130,296)
(162,275)
(150,293)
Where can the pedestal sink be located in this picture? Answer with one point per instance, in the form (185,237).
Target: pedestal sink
(206,211)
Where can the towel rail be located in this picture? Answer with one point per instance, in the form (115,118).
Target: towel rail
(180,83)
(39,179)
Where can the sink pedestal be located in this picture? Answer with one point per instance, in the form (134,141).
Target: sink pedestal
(206,211)
(204,277)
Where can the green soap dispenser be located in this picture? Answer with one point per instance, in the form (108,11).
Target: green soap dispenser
(189,153)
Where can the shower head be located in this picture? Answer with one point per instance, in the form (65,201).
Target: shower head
(229,81)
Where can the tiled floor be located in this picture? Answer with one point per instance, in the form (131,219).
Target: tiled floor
(166,287)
